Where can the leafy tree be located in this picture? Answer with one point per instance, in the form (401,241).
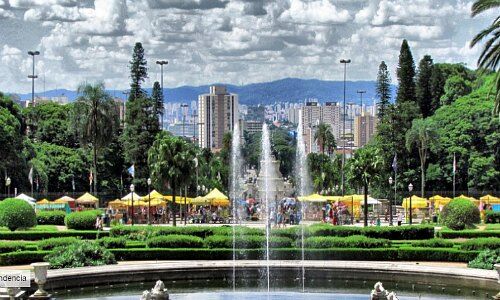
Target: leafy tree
(406,75)
(383,89)
(14,109)
(437,87)
(138,72)
(364,167)
(158,100)
(171,160)
(96,120)
(324,137)
(490,56)
(423,85)
(455,87)
(325,172)
(422,135)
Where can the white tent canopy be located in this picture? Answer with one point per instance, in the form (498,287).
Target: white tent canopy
(371,201)
(25,198)
(129,197)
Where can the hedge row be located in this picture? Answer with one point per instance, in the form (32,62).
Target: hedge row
(433,243)
(6,247)
(55,217)
(453,234)
(376,254)
(246,242)
(38,235)
(354,241)
(82,220)
(420,232)
(481,244)
(49,244)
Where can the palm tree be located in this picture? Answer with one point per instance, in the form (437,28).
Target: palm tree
(365,166)
(423,135)
(324,137)
(490,57)
(95,118)
(171,163)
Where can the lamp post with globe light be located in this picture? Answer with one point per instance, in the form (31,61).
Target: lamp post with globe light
(149,200)
(8,181)
(390,203)
(410,188)
(132,189)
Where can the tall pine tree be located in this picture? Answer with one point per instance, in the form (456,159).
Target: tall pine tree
(406,75)
(423,86)
(141,120)
(157,97)
(383,89)
(437,87)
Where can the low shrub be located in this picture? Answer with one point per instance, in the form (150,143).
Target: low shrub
(16,213)
(492,217)
(433,243)
(175,241)
(22,257)
(49,244)
(112,242)
(136,233)
(481,244)
(199,231)
(485,259)
(82,220)
(459,214)
(238,230)
(246,242)
(55,217)
(38,235)
(6,247)
(453,234)
(355,241)
(80,254)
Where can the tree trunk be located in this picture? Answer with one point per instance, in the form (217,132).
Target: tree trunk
(365,208)
(422,184)
(173,206)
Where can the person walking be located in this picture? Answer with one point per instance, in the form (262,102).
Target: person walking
(400,219)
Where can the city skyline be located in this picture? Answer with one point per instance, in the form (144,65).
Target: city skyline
(222,40)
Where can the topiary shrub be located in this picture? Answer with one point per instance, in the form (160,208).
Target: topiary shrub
(492,217)
(49,244)
(82,220)
(433,243)
(17,213)
(112,242)
(459,214)
(55,217)
(175,241)
(6,247)
(485,260)
(80,254)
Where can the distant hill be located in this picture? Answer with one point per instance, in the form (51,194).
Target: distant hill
(283,90)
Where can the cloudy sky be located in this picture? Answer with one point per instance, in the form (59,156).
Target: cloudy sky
(232,41)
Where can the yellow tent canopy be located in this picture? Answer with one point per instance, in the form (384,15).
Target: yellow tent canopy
(334,198)
(43,201)
(490,199)
(136,203)
(439,200)
(156,202)
(154,195)
(217,198)
(416,202)
(60,201)
(87,198)
(312,198)
(200,201)
(64,199)
(117,204)
(178,199)
(129,197)
(474,200)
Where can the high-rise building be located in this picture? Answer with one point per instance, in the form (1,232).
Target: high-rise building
(364,128)
(217,115)
(330,114)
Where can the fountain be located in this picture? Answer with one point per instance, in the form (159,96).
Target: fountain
(304,184)
(268,173)
(235,187)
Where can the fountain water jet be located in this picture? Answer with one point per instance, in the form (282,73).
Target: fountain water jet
(235,188)
(304,184)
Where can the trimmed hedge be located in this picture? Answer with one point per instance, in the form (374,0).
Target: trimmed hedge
(6,247)
(246,242)
(82,220)
(38,235)
(481,244)
(112,242)
(49,244)
(459,214)
(453,234)
(55,217)
(22,257)
(16,213)
(175,241)
(492,217)
(355,241)
(433,243)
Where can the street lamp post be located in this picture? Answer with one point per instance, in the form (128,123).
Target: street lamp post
(7,183)
(410,188)
(149,201)
(132,188)
(161,63)
(33,76)
(345,62)
(361,97)
(390,203)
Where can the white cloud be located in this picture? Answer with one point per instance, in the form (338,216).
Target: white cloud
(320,11)
(5,14)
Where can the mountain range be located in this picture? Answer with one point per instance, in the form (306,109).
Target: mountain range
(283,90)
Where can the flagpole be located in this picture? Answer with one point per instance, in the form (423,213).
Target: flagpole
(454,171)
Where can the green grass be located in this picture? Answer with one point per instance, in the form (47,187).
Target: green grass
(492,227)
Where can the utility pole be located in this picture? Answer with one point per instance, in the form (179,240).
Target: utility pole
(345,62)
(161,63)
(33,77)
(361,96)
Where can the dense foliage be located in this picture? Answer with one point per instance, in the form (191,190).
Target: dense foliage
(80,254)
(486,259)
(83,220)
(354,241)
(16,213)
(175,241)
(459,214)
(55,217)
